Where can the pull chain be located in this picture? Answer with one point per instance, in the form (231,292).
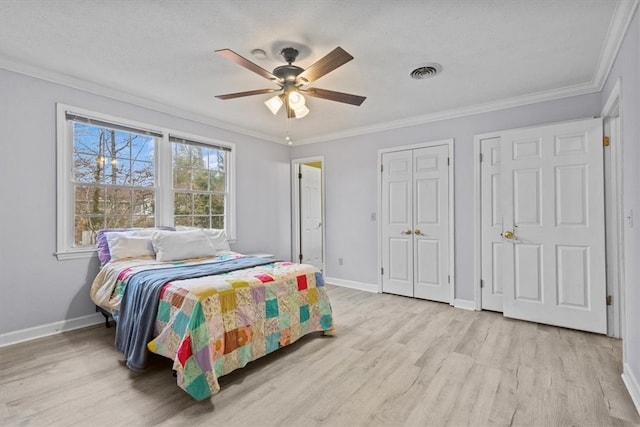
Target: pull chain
(288,139)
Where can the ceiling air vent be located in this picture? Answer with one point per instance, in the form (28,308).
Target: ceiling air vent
(426,71)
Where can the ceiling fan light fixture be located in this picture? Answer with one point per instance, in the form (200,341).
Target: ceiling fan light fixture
(296,100)
(274,104)
(301,112)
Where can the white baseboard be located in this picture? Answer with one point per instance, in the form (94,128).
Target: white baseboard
(464,304)
(28,334)
(633,386)
(352,284)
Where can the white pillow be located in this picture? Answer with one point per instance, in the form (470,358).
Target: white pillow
(129,244)
(218,237)
(178,245)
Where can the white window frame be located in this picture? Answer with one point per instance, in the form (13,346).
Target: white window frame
(163,181)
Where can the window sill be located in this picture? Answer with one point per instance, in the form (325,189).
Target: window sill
(86,253)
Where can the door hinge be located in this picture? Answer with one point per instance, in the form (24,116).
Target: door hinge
(448,279)
(605,141)
(448,161)
(608,299)
(299,175)
(300,257)
(382,271)
(480,157)
(481,283)
(381,168)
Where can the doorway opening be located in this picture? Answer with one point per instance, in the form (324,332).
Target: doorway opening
(307,195)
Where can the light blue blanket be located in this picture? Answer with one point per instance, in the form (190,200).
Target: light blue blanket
(139,305)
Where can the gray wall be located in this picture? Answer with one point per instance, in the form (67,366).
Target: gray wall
(37,289)
(351,175)
(627,69)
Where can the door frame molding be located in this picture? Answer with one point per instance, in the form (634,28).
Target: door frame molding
(613,182)
(295,208)
(449,143)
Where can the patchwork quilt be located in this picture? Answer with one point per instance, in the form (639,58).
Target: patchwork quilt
(212,325)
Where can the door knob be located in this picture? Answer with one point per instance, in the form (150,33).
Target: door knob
(418,232)
(406,232)
(508,234)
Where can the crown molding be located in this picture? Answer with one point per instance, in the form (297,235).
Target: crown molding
(501,104)
(11,64)
(618,27)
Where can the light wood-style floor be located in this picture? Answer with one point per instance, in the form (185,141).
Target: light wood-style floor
(395,362)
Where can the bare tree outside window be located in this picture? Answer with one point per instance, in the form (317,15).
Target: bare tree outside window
(114,177)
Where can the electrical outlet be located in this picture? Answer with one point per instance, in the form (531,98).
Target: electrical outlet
(340,261)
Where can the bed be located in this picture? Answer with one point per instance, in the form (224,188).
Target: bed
(210,314)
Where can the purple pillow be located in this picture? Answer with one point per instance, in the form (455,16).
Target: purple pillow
(103,246)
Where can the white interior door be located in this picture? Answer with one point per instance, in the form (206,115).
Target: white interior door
(311,215)
(415,223)
(397,222)
(431,223)
(491,225)
(553,210)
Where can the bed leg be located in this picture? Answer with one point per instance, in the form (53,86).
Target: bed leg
(106,316)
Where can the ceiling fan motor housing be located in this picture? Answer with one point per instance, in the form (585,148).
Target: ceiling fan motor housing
(290,54)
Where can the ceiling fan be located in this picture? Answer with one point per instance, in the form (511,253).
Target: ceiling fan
(293,81)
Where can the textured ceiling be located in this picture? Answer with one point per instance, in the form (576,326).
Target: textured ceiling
(160,54)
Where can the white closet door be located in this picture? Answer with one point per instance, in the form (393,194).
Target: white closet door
(397,223)
(554,263)
(431,223)
(491,225)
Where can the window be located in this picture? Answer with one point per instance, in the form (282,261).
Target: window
(199,183)
(115,173)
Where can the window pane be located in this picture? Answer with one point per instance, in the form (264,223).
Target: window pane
(201,221)
(142,173)
(143,221)
(182,204)
(201,204)
(182,178)
(216,181)
(118,222)
(87,138)
(181,155)
(143,148)
(89,200)
(143,202)
(183,220)
(217,221)
(85,228)
(198,158)
(217,204)
(200,179)
(118,201)
(87,167)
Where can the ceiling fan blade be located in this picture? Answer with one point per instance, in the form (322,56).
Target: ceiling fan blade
(243,62)
(247,93)
(326,64)
(347,98)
